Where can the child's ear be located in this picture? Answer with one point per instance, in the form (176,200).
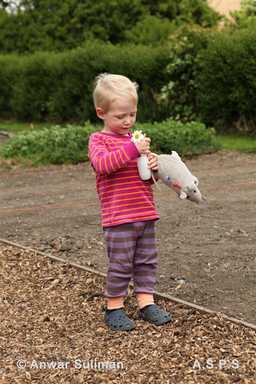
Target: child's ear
(100,113)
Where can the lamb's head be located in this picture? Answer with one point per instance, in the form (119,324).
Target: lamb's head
(193,193)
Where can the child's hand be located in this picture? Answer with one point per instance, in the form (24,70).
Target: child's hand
(152,161)
(143,146)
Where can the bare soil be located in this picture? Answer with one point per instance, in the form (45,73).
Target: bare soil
(206,255)
(52,332)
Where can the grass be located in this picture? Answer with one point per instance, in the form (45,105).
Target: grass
(237,143)
(16,127)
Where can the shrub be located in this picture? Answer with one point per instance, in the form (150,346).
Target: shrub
(69,144)
(179,93)
(226,86)
(58,87)
(191,138)
(55,145)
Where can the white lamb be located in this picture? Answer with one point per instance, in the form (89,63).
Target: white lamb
(173,172)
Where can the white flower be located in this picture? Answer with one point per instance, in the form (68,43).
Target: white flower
(137,136)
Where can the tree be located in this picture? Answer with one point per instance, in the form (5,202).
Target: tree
(246,16)
(64,24)
(151,30)
(9,5)
(196,11)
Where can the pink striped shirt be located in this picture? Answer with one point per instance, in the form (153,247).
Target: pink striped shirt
(124,197)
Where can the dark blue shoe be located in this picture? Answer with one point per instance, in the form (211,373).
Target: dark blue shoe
(155,315)
(117,320)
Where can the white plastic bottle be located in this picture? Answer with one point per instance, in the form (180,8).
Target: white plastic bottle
(144,170)
(142,162)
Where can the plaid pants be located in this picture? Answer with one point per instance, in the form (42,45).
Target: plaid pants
(132,254)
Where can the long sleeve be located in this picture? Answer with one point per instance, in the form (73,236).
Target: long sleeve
(106,162)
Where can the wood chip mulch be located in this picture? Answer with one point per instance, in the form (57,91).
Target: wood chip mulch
(52,331)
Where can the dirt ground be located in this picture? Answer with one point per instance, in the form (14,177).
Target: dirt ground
(52,331)
(207,255)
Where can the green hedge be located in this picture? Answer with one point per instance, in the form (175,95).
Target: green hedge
(204,75)
(58,87)
(69,144)
(226,84)
(10,69)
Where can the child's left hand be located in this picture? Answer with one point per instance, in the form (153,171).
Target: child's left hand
(152,161)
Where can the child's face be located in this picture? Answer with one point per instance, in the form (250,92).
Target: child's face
(120,117)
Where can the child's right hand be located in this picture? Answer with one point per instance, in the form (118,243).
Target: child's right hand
(143,146)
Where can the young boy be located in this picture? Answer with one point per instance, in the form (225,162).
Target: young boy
(127,208)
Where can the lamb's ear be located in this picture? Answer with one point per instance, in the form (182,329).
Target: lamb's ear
(175,155)
(183,195)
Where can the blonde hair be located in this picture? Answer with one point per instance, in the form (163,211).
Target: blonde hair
(107,87)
